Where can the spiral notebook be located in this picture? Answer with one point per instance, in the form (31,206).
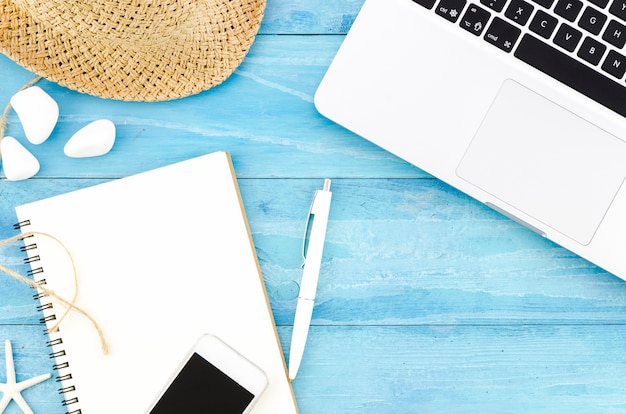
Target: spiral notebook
(162,257)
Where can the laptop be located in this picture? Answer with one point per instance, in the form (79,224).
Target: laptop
(519,103)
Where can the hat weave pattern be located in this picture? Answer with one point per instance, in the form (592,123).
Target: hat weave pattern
(135,50)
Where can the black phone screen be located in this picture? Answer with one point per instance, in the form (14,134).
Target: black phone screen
(200,387)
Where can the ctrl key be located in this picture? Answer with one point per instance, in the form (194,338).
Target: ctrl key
(450,9)
(502,34)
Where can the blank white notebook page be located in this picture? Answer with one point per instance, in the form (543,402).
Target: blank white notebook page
(162,258)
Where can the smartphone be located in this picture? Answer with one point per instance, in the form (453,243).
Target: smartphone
(214,378)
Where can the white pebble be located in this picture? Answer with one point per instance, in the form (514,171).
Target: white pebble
(17,162)
(93,140)
(37,112)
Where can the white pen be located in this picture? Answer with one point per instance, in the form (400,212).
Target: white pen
(310,274)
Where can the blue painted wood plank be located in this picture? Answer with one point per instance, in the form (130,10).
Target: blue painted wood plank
(433,369)
(264,114)
(419,252)
(309,16)
(397,252)
(460,369)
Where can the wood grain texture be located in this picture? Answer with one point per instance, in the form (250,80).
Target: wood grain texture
(310,17)
(461,369)
(263,114)
(428,301)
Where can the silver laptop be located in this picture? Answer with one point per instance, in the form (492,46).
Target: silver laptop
(519,103)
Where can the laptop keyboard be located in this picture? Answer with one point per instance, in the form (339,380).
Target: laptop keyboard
(578,42)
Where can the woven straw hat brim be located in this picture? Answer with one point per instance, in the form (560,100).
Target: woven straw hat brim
(137,50)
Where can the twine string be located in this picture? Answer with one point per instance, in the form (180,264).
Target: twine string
(69,305)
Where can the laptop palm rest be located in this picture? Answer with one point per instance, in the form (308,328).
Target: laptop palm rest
(541,159)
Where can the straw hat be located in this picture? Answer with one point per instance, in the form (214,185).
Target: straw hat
(138,50)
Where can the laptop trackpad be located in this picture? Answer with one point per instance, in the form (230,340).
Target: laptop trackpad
(545,161)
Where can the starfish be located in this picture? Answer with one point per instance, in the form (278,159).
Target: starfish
(12,389)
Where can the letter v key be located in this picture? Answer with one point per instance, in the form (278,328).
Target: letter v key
(567,37)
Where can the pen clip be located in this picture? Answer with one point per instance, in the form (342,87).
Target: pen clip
(307,230)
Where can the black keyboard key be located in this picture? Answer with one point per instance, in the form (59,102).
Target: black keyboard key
(575,74)
(591,50)
(450,9)
(567,37)
(475,19)
(496,5)
(600,3)
(543,24)
(545,3)
(569,9)
(615,34)
(592,20)
(502,34)
(618,8)
(519,11)
(615,64)
(426,3)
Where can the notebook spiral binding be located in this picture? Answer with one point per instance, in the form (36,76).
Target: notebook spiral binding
(55,342)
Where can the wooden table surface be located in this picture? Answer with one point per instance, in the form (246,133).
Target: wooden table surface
(428,301)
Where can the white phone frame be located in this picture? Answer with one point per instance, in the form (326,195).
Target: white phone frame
(230,362)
